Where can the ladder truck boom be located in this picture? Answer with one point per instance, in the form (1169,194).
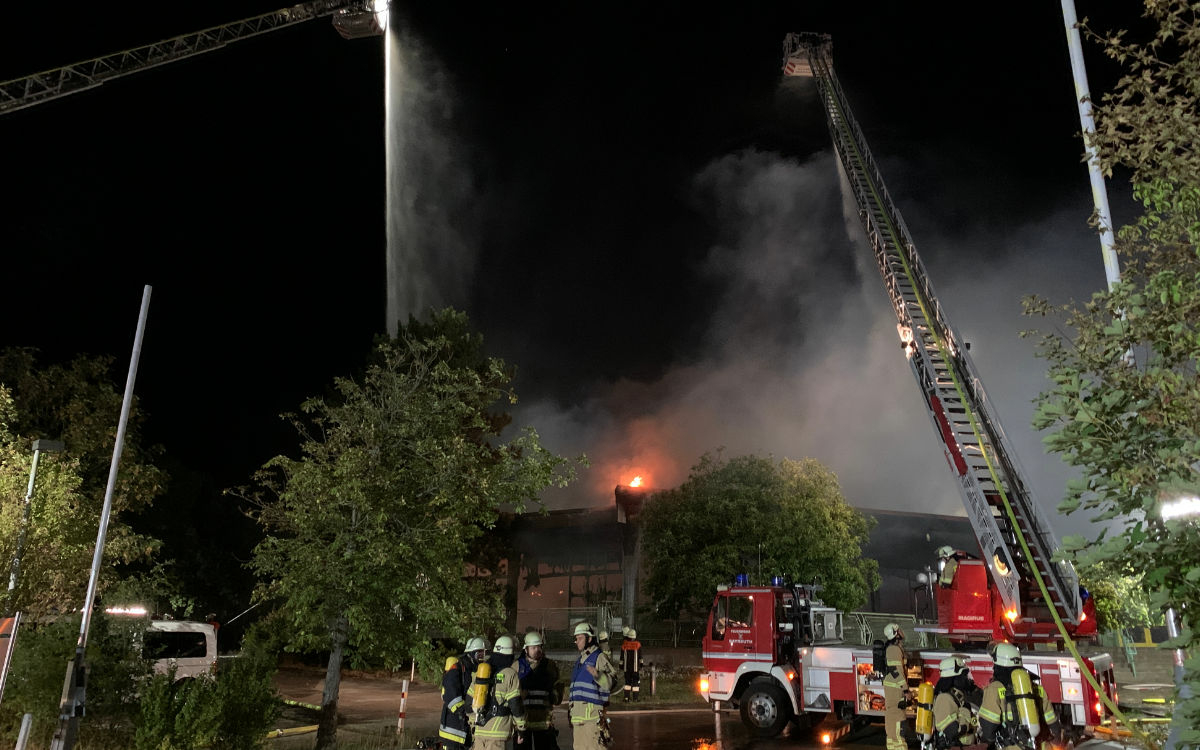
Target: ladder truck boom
(353,19)
(1013,533)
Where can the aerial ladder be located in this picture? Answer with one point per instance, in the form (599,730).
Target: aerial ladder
(353,19)
(1015,591)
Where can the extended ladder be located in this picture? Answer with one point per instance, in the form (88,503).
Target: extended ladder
(999,503)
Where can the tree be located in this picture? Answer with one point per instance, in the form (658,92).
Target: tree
(752,515)
(1124,404)
(78,404)
(400,472)
(1121,598)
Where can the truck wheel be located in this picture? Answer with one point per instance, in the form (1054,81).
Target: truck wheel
(765,709)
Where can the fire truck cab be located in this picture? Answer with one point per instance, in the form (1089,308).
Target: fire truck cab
(777,654)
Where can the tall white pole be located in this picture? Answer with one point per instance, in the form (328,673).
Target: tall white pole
(1083,98)
(75,683)
(1112,272)
(391,157)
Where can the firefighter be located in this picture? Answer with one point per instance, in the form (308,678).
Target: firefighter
(949,565)
(539,683)
(895,687)
(454,730)
(953,722)
(502,710)
(591,681)
(631,661)
(1015,713)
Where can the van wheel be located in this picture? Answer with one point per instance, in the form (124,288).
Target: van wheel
(765,709)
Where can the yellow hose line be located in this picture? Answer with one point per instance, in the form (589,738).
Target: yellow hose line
(291,731)
(1070,643)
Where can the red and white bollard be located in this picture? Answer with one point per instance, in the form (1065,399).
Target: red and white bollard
(403,704)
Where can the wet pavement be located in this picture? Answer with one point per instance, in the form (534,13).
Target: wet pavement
(369,708)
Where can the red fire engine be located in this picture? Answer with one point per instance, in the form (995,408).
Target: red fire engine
(778,655)
(775,652)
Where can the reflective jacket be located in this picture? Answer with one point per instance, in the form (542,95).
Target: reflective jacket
(951,720)
(631,656)
(538,691)
(998,720)
(453,727)
(504,707)
(896,676)
(589,694)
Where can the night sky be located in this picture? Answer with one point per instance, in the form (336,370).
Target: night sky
(626,199)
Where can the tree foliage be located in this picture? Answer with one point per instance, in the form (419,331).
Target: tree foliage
(78,404)
(747,514)
(400,472)
(1124,405)
(1121,597)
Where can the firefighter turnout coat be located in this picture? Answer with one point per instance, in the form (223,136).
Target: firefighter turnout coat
(503,710)
(588,696)
(538,681)
(454,726)
(952,720)
(999,722)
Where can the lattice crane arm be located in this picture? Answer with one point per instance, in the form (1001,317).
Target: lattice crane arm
(352,18)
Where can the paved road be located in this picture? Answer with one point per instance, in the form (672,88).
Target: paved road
(369,706)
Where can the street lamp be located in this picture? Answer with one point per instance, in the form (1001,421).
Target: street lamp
(40,446)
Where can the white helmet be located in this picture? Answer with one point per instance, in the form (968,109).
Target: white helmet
(625,631)
(504,645)
(892,631)
(585,629)
(946,551)
(476,644)
(632,634)
(952,665)
(1008,655)
(533,638)
(603,636)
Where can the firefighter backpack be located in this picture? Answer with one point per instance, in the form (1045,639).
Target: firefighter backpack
(879,657)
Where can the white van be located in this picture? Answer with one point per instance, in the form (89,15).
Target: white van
(190,647)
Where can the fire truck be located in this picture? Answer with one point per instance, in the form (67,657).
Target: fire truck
(779,656)
(775,652)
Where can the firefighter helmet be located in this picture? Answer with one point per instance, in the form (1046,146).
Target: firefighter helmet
(585,629)
(476,644)
(504,645)
(1008,655)
(945,552)
(533,638)
(952,665)
(632,634)
(892,631)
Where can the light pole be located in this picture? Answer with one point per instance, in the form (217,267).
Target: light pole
(40,446)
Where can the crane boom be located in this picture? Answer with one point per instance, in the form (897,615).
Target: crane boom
(37,88)
(1013,533)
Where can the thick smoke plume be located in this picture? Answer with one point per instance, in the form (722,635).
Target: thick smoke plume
(802,357)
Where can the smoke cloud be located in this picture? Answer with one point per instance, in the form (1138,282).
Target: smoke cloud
(802,356)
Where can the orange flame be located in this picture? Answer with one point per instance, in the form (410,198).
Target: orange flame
(636,482)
